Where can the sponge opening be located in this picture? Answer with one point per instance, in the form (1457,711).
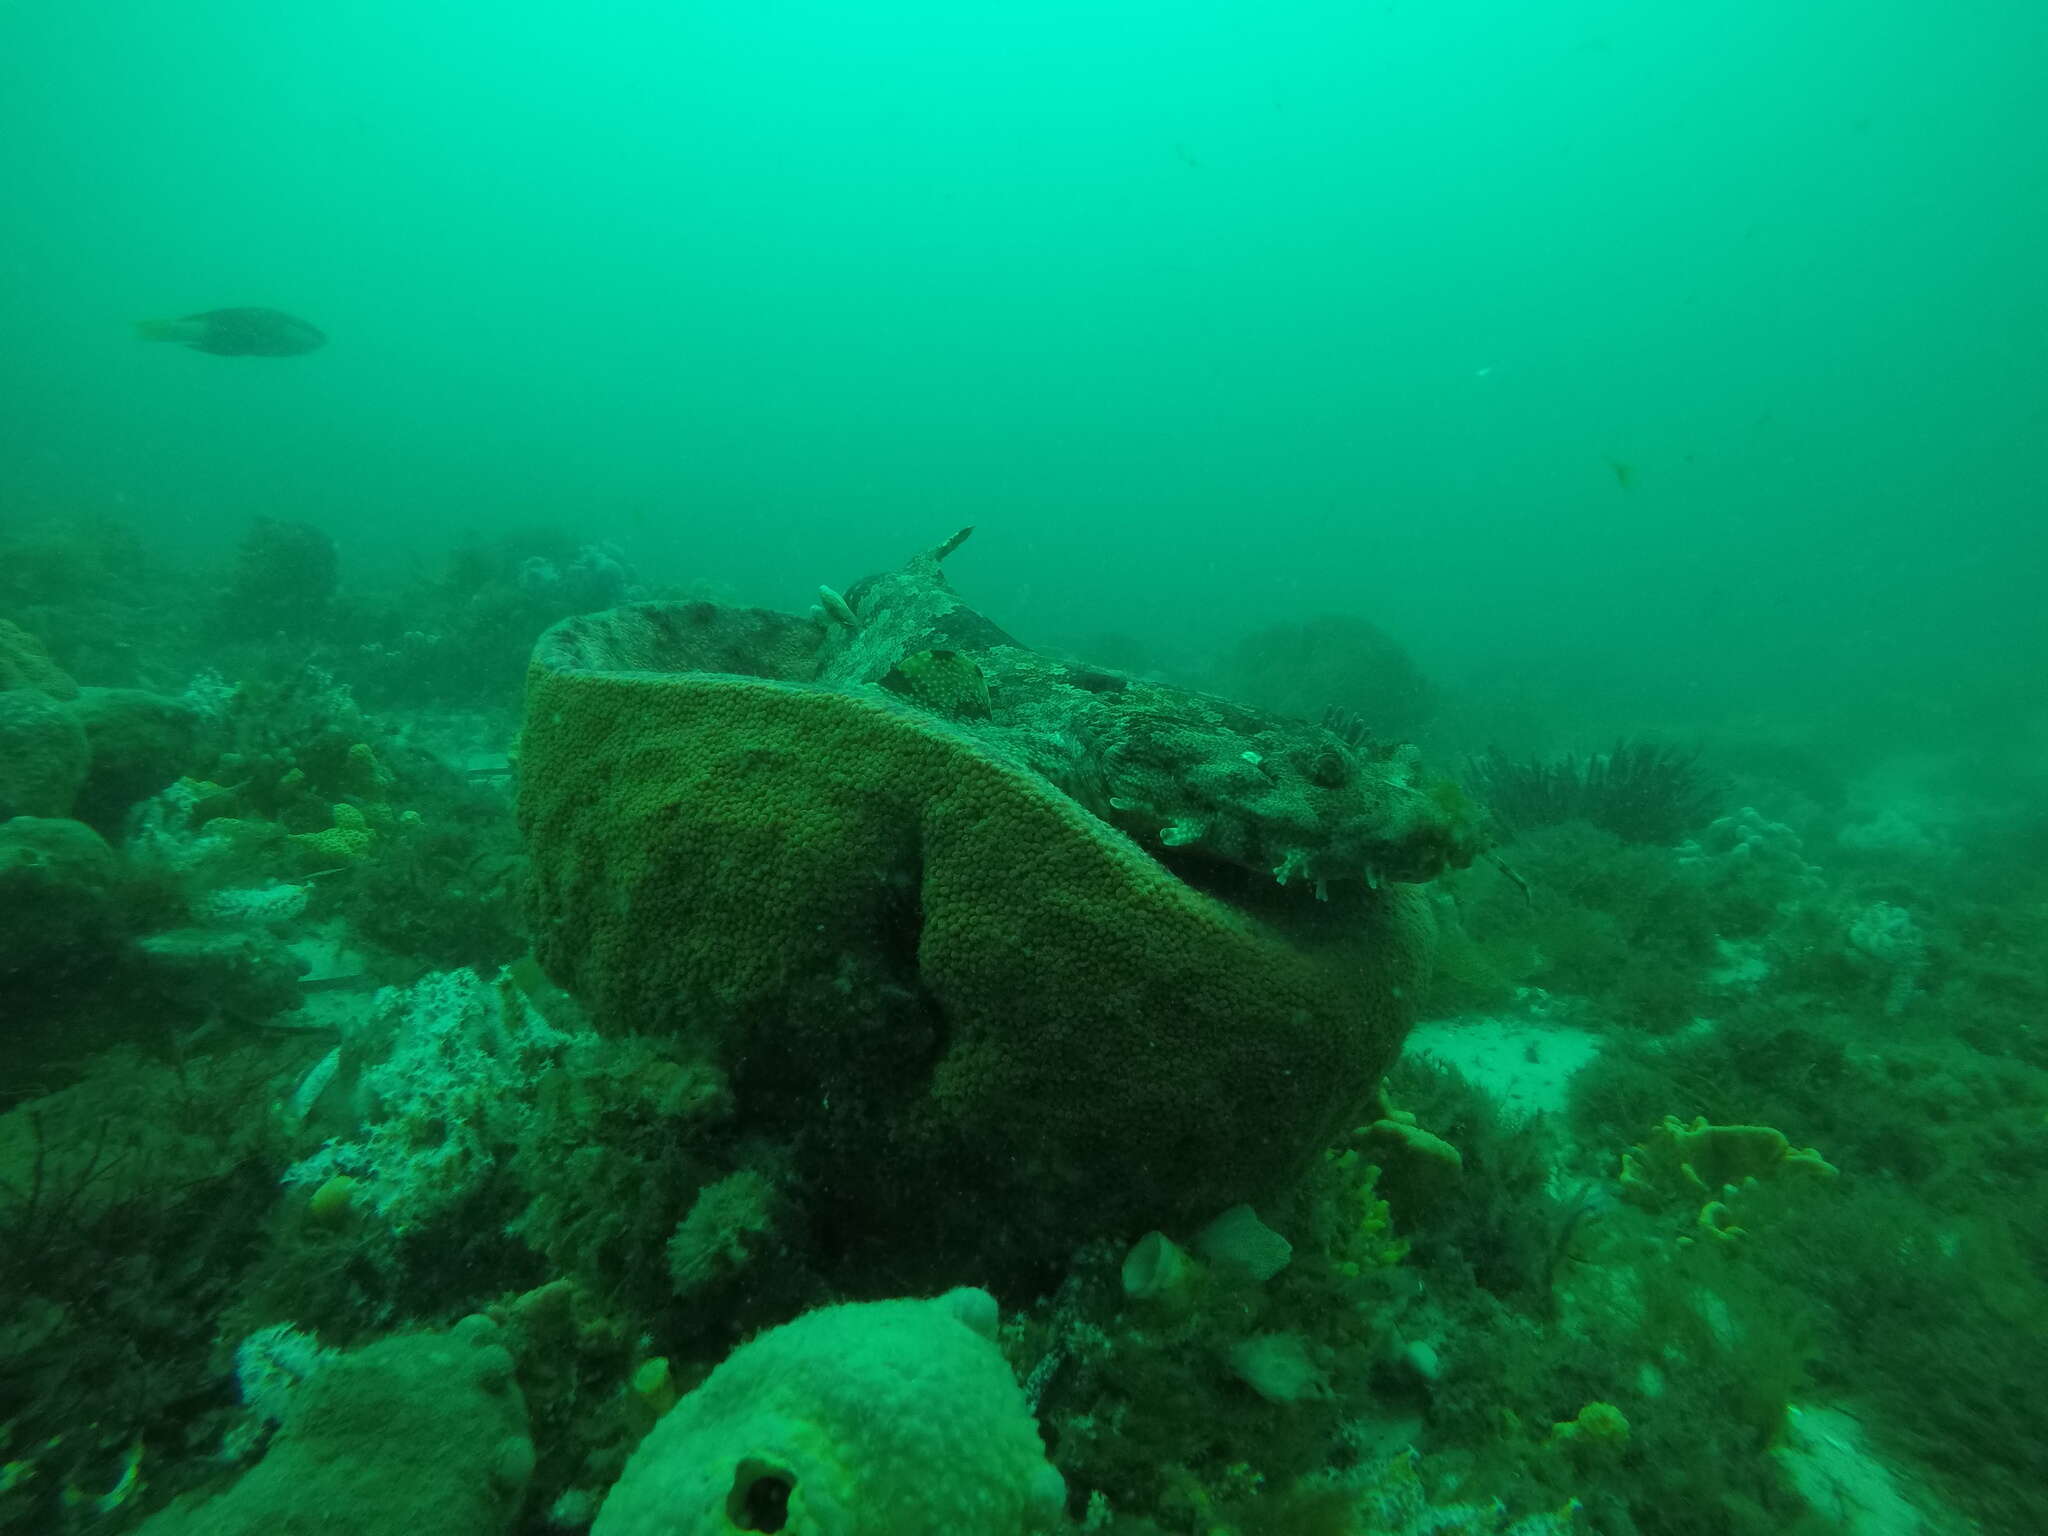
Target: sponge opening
(759,1499)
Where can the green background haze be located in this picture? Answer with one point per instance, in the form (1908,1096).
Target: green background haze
(1206,314)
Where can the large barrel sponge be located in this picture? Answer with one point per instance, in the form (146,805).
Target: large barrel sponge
(920,952)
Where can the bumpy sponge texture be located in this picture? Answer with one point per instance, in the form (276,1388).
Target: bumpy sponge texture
(944,955)
(884,1418)
(421,1432)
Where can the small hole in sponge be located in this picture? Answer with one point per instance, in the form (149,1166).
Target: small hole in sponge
(759,1500)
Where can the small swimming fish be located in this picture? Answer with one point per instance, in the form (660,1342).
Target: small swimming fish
(945,682)
(237,333)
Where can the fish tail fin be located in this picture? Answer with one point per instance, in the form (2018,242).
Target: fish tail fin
(161,330)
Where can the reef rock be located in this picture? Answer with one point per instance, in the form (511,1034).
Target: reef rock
(43,755)
(25,664)
(140,743)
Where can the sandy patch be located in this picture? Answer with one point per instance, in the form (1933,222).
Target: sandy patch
(1527,1068)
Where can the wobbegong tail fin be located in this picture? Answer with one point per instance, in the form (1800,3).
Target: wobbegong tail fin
(163,330)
